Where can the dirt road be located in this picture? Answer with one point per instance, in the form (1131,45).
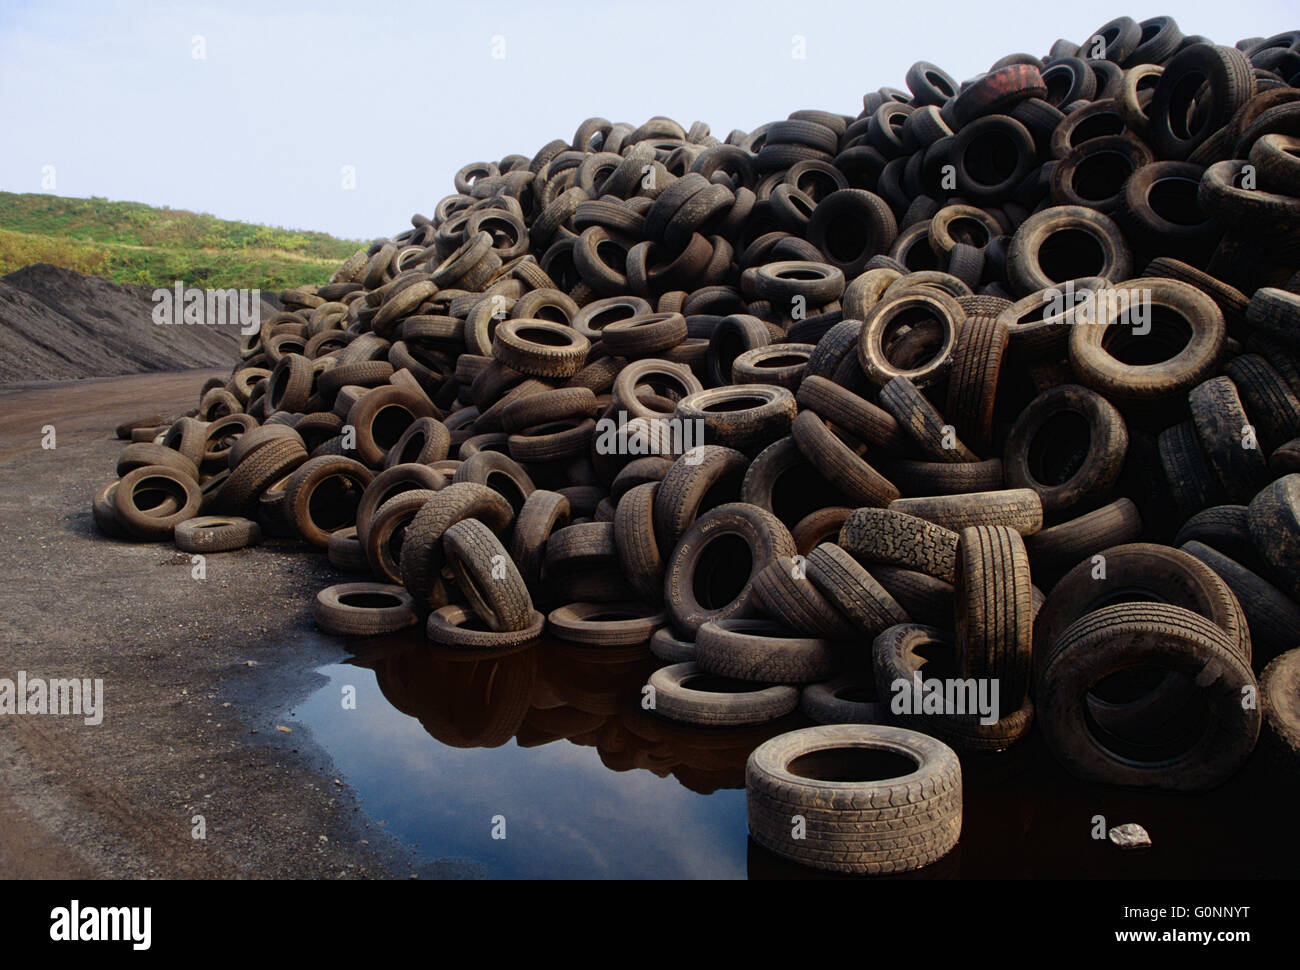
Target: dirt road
(197,675)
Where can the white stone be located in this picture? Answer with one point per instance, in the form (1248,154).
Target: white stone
(1130,835)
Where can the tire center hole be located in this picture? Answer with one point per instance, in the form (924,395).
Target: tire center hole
(852,765)
(722,571)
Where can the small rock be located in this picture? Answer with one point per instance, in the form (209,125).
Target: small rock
(1130,835)
(283,729)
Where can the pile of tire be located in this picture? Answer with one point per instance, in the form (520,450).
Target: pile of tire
(999,378)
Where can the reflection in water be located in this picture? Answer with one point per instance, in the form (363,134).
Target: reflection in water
(552,738)
(620,798)
(554,691)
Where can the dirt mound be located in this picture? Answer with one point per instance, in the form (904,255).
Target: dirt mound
(56,324)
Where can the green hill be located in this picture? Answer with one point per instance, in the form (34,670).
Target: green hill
(129,242)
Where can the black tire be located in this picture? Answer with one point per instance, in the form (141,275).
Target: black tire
(921,596)
(931,359)
(458,627)
(1044,452)
(1191,481)
(670,649)
(605,624)
(1221,424)
(695,484)
(1015,508)
(1126,635)
(850,226)
(1033,242)
(730,706)
(872,425)
(363,609)
(1274,520)
(994,609)
(726,584)
(1272,616)
(783,591)
(839,464)
(211,533)
(740,416)
(346,552)
(1065,545)
(893,538)
(848,699)
(976,369)
(943,477)
(930,433)
(142,506)
(763,651)
(901,654)
(487,576)
(852,590)
(542,513)
(1174,132)
(315,510)
(1272,407)
(1139,571)
(855,826)
(540,348)
(390,482)
(1279,690)
(422,557)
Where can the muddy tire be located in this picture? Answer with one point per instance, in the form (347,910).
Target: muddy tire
(726,584)
(363,609)
(843,701)
(1068,445)
(422,557)
(211,533)
(476,557)
(731,706)
(1279,695)
(140,502)
(1274,520)
(902,653)
(904,822)
(994,609)
(323,494)
(1119,637)
(1015,508)
(894,538)
(606,624)
(458,627)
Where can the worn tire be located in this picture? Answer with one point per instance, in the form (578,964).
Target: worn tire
(888,826)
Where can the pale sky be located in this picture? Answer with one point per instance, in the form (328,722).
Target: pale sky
(111,99)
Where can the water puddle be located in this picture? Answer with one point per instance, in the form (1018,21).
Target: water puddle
(443,746)
(548,745)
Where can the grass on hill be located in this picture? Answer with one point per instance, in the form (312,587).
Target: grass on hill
(129,242)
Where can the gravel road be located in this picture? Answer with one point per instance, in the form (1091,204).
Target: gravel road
(197,676)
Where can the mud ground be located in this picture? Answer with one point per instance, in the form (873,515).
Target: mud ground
(197,676)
